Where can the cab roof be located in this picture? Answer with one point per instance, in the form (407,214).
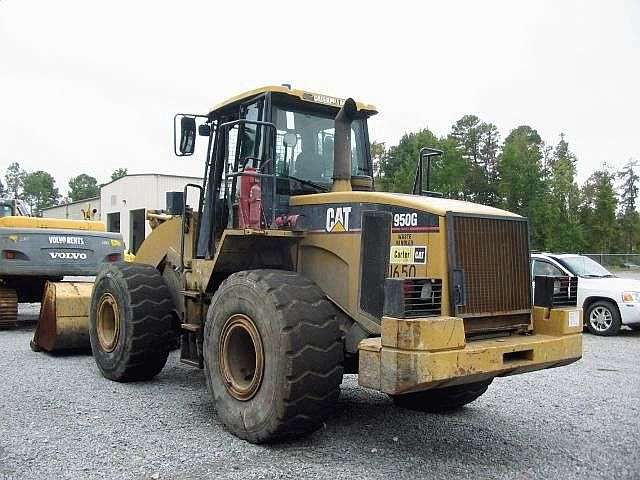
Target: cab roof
(305,96)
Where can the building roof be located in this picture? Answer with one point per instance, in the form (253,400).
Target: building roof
(151,175)
(303,95)
(87,200)
(75,202)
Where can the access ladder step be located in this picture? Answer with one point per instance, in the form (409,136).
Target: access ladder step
(190,327)
(191,293)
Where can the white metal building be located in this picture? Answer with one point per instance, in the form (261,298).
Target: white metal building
(75,210)
(124,202)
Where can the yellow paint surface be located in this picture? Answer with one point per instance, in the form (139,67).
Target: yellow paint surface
(411,357)
(53,223)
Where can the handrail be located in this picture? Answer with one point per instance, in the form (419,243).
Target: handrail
(425,152)
(184,217)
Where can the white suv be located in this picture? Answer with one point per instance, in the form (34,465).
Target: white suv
(608,301)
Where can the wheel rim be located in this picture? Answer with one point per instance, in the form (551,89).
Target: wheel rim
(601,319)
(241,357)
(108,325)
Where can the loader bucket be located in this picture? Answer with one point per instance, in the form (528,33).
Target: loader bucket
(64,317)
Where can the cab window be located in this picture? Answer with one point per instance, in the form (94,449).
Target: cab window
(252,143)
(311,158)
(6,210)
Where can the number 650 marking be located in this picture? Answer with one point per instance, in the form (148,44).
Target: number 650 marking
(397,271)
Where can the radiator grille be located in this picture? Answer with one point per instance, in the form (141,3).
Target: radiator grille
(492,254)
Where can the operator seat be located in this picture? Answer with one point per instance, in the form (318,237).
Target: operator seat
(309,165)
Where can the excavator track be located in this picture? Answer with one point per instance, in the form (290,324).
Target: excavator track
(8,307)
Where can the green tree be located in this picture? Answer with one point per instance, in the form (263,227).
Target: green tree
(478,144)
(628,218)
(83,186)
(40,190)
(1,189)
(398,166)
(118,173)
(15,179)
(378,153)
(522,180)
(563,203)
(598,212)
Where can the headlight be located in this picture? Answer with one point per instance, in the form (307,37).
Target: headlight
(631,297)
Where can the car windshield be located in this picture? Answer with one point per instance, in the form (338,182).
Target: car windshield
(309,153)
(584,266)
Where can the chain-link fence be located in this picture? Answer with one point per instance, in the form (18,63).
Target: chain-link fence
(617,261)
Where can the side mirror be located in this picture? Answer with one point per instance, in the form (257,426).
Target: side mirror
(186,124)
(187,135)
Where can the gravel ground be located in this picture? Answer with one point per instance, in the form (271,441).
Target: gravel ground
(60,419)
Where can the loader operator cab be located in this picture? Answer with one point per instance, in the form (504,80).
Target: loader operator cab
(6,208)
(265,146)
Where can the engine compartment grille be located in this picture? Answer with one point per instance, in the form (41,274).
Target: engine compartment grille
(413,297)
(422,297)
(552,292)
(490,280)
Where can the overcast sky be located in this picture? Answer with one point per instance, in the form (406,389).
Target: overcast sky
(87,86)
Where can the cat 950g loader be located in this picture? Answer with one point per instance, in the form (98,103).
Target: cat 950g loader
(292,270)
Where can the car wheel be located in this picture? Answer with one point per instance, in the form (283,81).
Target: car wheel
(603,318)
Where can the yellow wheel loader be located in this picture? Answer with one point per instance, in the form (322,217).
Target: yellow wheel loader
(292,270)
(36,250)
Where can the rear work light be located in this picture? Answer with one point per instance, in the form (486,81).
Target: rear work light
(113,257)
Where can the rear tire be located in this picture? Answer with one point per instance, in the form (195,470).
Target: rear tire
(131,322)
(442,399)
(273,355)
(603,318)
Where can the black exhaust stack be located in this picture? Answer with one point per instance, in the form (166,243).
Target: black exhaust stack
(342,147)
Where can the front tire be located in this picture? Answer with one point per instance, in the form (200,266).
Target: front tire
(273,355)
(442,399)
(131,322)
(603,318)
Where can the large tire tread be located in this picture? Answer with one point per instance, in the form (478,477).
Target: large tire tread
(151,322)
(311,343)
